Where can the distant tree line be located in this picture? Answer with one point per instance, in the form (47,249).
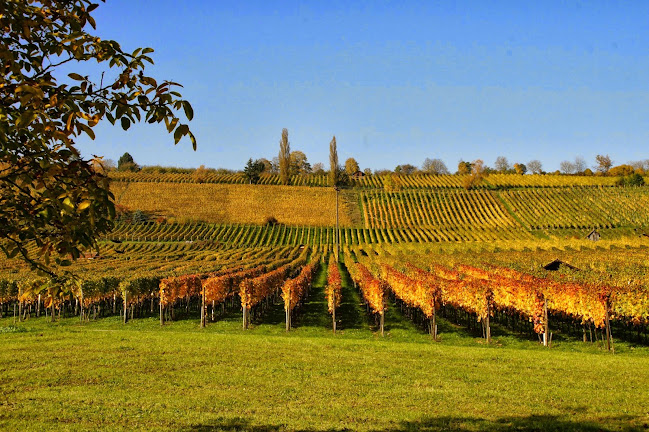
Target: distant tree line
(290,163)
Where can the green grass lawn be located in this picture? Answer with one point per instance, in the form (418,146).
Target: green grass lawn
(105,375)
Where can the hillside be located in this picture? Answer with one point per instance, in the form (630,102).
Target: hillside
(233,203)
(423,208)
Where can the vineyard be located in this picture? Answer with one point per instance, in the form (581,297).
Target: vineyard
(415,181)
(152,309)
(577,207)
(421,211)
(135,279)
(205,272)
(219,203)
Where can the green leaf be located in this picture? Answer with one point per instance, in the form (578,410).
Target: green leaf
(26,118)
(126,123)
(178,134)
(189,112)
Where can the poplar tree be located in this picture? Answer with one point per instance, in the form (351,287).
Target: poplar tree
(333,162)
(284,157)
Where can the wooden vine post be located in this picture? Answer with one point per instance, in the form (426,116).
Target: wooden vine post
(488,327)
(546,324)
(433,325)
(333,317)
(81,305)
(20,304)
(287,309)
(125,308)
(245,317)
(609,336)
(382,321)
(203,306)
(162,317)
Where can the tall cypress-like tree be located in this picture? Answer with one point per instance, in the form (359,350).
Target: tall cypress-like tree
(333,162)
(284,157)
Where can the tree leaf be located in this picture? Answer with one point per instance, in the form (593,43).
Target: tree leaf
(126,123)
(189,112)
(76,76)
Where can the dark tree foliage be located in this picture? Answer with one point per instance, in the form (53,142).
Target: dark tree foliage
(126,163)
(252,171)
(51,197)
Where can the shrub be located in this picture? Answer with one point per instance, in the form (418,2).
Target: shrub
(631,180)
(270,221)
(139,216)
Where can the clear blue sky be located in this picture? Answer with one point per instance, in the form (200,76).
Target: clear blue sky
(396,82)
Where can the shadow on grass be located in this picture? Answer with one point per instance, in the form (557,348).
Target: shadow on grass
(314,312)
(350,313)
(529,423)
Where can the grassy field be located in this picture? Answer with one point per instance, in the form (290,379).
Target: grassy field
(104,375)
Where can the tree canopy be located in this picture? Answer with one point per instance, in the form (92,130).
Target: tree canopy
(253,170)
(50,195)
(284,158)
(434,166)
(299,164)
(334,168)
(126,163)
(351,166)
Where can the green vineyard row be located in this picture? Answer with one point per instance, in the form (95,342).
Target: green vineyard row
(282,235)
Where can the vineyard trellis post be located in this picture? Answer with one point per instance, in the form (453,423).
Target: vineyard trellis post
(488,327)
(20,304)
(125,307)
(162,319)
(288,313)
(546,324)
(609,337)
(203,311)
